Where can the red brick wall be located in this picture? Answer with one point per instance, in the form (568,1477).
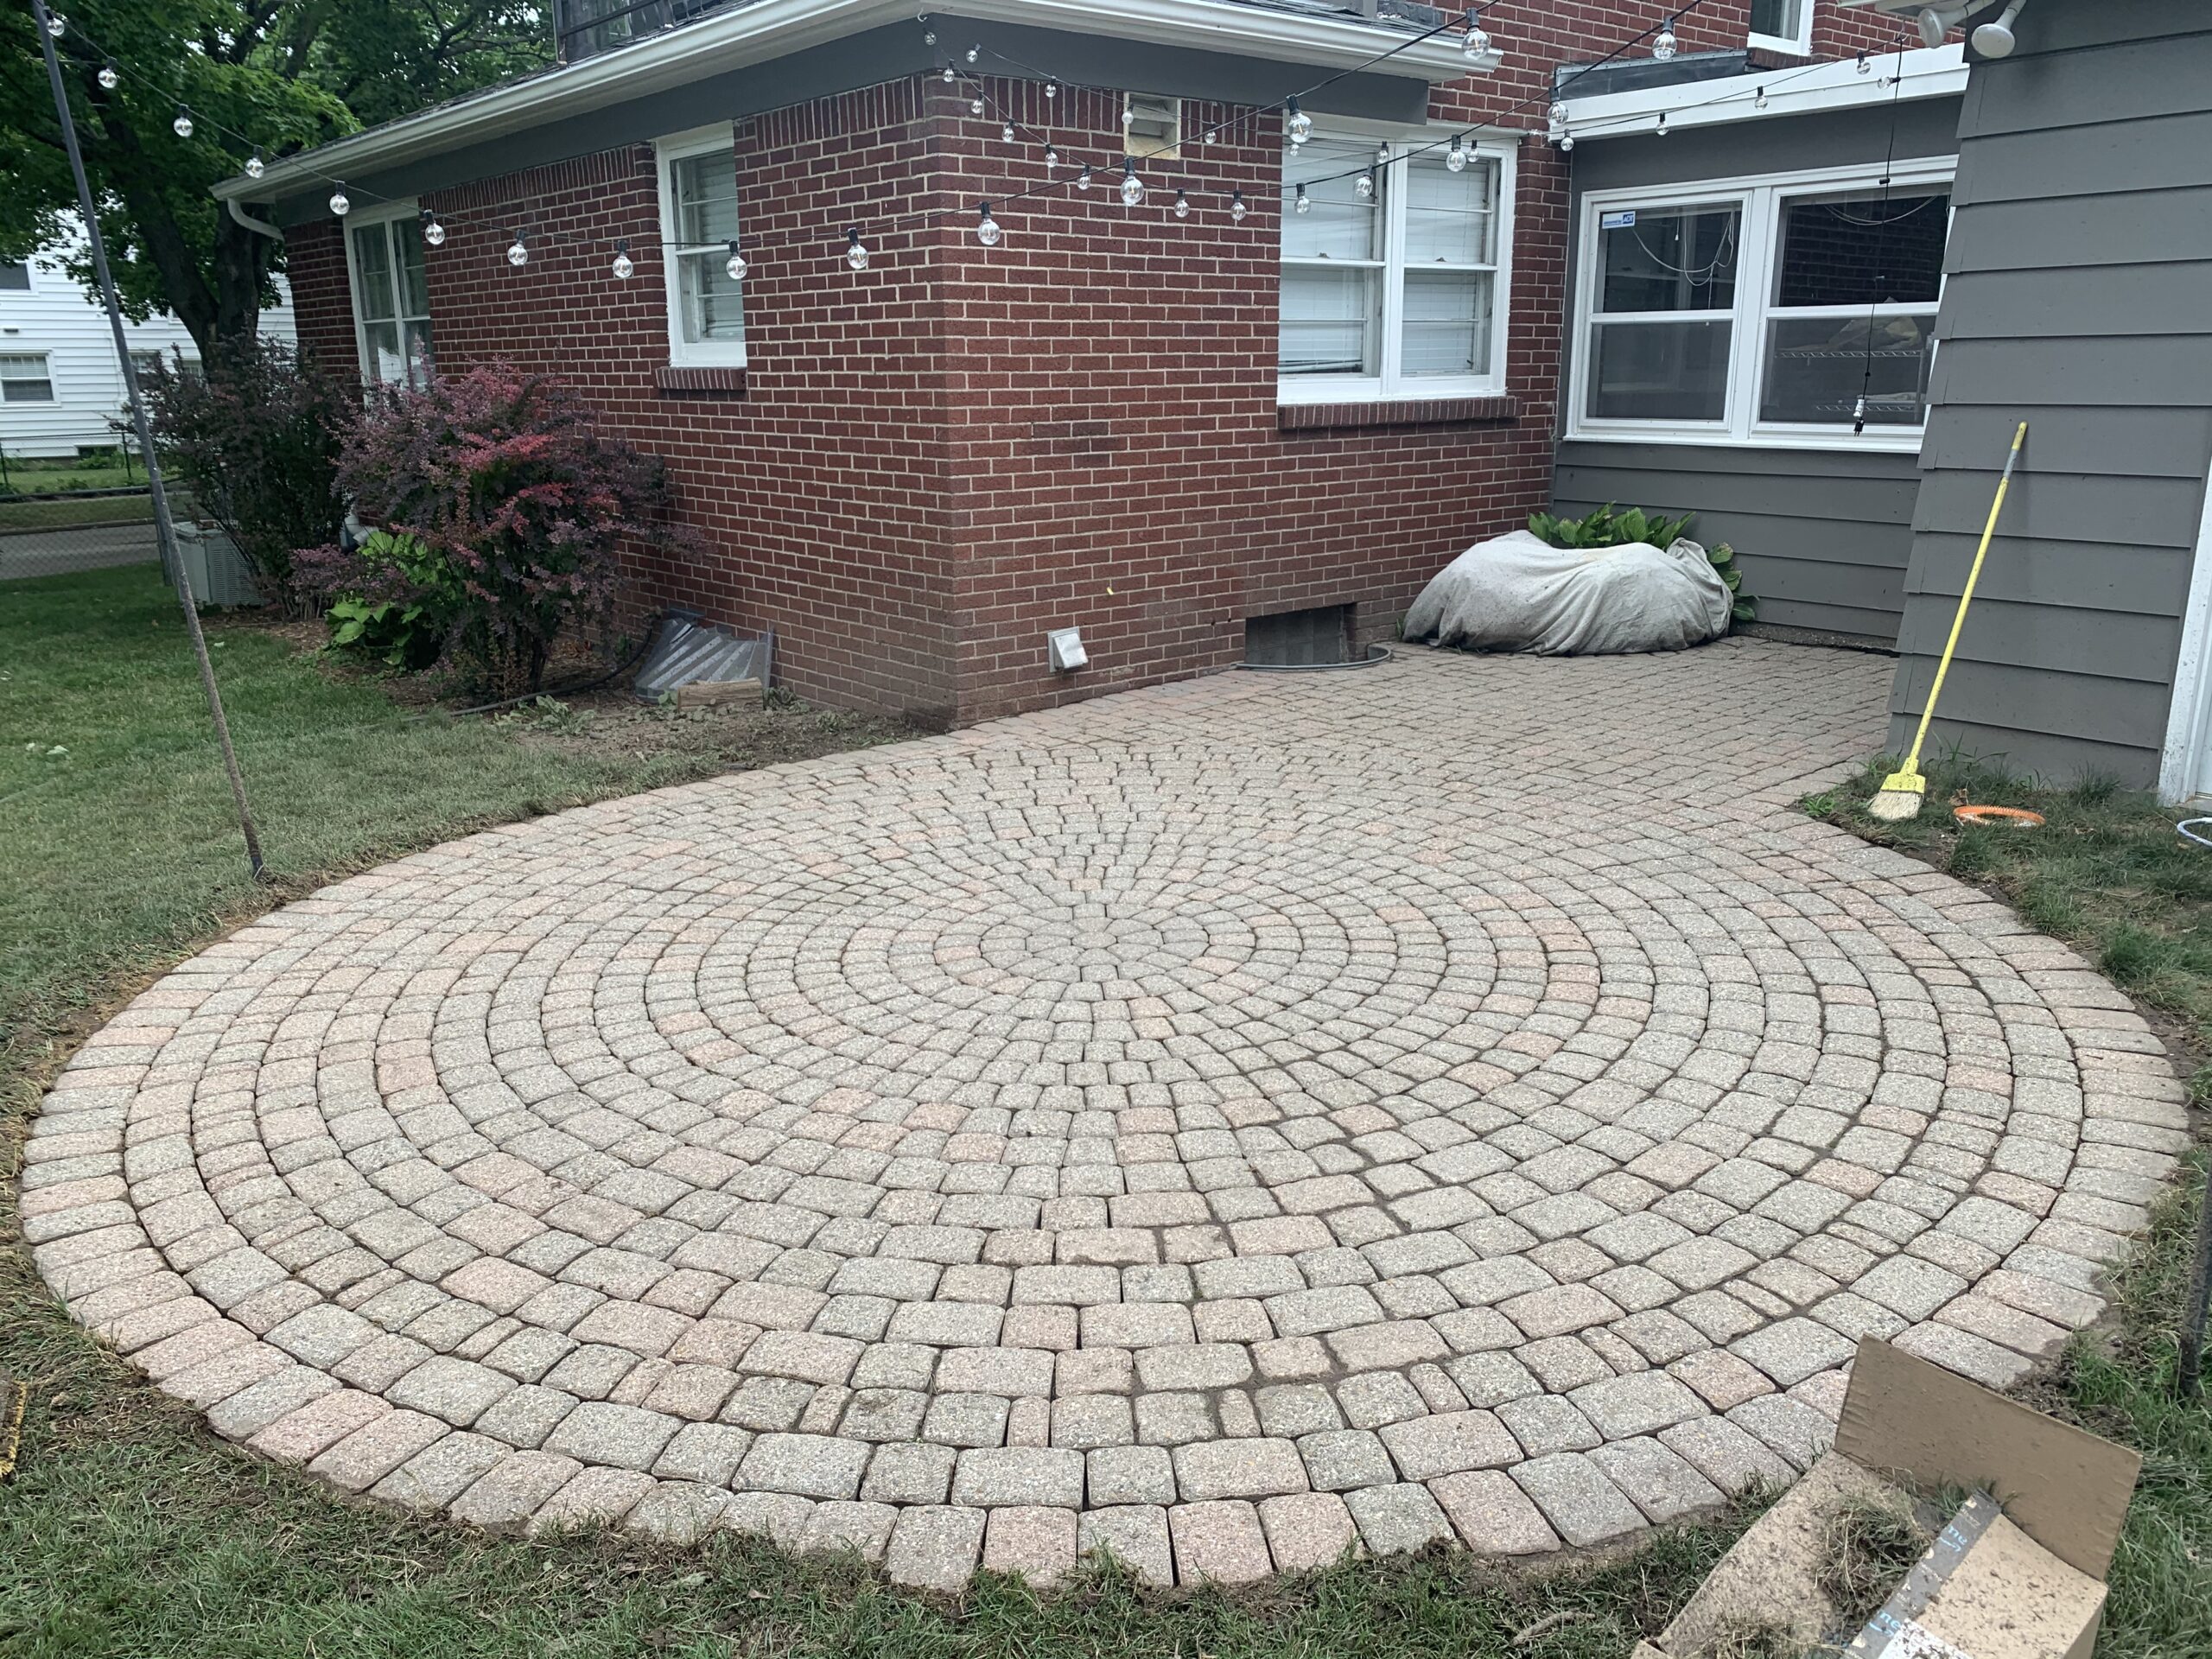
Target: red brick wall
(322,306)
(931,462)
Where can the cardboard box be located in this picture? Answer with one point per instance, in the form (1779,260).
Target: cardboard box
(2018,1572)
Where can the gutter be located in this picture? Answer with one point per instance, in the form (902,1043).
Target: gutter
(1940,72)
(773,28)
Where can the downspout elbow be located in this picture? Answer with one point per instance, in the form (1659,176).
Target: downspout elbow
(259,226)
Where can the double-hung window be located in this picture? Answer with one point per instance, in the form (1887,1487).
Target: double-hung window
(391,297)
(25,379)
(1782,26)
(698,220)
(1394,268)
(1788,310)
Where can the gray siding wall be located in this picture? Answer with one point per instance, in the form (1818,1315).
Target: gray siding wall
(1824,536)
(2080,301)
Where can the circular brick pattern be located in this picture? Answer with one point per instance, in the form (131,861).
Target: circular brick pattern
(1220,1124)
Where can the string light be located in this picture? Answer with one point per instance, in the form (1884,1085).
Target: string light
(929,37)
(1759,103)
(1477,41)
(1052,159)
(255,167)
(1864,66)
(622,267)
(433,233)
(339,204)
(1051,89)
(1182,205)
(1660,130)
(735,267)
(56,25)
(986,228)
(1383,152)
(182,125)
(855,255)
(1083,179)
(1301,205)
(1556,115)
(1132,186)
(1663,44)
(1006,132)
(108,78)
(974,52)
(974,106)
(951,75)
(1365,185)
(1236,209)
(517,252)
(1455,158)
(1296,122)
(1565,141)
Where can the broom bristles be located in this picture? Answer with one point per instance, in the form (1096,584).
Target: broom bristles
(1899,797)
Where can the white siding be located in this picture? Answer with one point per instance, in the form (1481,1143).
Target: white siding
(55,317)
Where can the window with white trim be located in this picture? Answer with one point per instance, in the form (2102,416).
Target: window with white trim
(25,379)
(16,274)
(1397,290)
(1762,311)
(698,223)
(385,259)
(1782,26)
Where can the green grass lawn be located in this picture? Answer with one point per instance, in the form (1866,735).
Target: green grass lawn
(91,510)
(129,1530)
(105,472)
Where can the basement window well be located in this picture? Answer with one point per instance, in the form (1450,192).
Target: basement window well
(1319,638)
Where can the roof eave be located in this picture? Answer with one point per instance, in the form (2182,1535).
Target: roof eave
(773,28)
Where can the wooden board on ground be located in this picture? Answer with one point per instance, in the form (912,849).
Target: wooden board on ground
(715,693)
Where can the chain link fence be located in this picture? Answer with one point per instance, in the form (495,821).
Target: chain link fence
(54,550)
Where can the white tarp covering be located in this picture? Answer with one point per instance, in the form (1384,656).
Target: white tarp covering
(1518,592)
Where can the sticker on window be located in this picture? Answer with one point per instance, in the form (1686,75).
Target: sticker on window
(1619,221)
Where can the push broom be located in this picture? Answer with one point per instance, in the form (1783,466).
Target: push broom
(1904,790)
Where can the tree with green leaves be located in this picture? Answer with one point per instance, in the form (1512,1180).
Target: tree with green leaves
(272,75)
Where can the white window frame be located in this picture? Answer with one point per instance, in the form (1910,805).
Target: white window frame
(29,264)
(1799,45)
(360,217)
(1391,385)
(45,361)
(682,352)
(1758,198)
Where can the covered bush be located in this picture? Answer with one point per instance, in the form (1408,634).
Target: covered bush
(514,505)
(255,433)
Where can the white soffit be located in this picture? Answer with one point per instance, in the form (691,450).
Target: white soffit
(1794,90)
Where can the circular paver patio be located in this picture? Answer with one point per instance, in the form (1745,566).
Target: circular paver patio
(1461,1099)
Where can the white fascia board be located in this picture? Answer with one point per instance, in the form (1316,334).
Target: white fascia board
(1940,72)
(774,29)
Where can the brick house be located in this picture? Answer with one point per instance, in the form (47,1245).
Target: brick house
(1150,426)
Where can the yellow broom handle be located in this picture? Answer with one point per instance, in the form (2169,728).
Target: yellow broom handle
(1959,619)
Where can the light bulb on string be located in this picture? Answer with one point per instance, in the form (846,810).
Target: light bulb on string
(1866,65)
(986,228)
(1475,43)
(1381,154)
(1364,185)
(974,52)
(1663,44)
(433,233)
(517,252)
(1182,205)
(1083,179)
(1052,159)
(929,37)
(1128,117)
(255,167)
(1132,186)
(1006,132)
(1455,158)
(974,106)
(622,267)
(950,74)
(1660,130)
(1556,115)
(1759,103)
(735,267)
(56,25)
(855,255)
(1296,122)
(1236,209)
(1565,141)
(1051,89)
(339,204)
(182,125)
(109,77)
(1301,205)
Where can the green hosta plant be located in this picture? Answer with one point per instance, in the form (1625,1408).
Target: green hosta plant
(1743,606)
(1609,527)
(404,607)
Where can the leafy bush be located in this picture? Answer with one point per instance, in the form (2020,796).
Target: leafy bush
(391,601)
(255,433)
(1609,527)
(1743,606)
(513,495)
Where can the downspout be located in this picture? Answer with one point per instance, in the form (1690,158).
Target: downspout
(260,227)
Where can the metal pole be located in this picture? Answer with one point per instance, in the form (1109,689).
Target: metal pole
(164,531)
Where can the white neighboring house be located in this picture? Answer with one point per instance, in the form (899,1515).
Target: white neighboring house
(59,383)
